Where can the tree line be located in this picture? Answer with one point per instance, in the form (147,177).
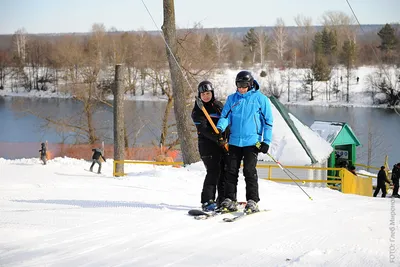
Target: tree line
(71,59)
(83,65)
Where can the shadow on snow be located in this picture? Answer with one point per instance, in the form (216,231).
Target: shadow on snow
(106,204)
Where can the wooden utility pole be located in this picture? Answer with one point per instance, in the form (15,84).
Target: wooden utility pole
(118,107)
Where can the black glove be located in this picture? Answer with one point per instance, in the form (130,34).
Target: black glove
(263,147)
(222,142)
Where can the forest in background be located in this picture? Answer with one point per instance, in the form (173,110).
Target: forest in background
(83,64)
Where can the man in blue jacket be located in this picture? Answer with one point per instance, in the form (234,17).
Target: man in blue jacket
(249,115)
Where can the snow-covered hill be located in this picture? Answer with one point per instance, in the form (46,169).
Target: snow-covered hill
(62,215)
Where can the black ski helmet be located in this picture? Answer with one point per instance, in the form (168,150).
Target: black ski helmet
(244,78)
(205,86)
(42,144)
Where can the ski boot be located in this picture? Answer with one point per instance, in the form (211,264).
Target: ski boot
(251,206)
(209,206)
(228,205)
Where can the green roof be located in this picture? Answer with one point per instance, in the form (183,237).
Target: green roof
(285,115)
(346,137)
(336,133)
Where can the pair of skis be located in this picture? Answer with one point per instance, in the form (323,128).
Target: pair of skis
(202,215)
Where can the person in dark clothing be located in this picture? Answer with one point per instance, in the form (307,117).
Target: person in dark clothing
(381,179)
(248,112)
(43,153)
(96,159)
(212,153)
(352,169)
(395,179)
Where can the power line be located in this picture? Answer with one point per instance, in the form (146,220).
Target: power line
(169,49)
(373,49)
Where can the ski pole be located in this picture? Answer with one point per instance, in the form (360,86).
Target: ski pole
(258,144)
(201,106)
(283,168)
(286,171)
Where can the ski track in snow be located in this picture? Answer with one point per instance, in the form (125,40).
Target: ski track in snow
(69,220)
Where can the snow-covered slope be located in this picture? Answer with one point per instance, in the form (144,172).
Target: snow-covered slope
(62,215)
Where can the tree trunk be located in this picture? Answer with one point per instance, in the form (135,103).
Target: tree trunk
(348,84)
(119,125)
(164,127)
(183,120)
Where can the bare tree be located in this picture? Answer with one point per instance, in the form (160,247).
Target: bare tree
(20,45)
(305,34)
(262,44)
(221,42)
(386,80)
(5,64)
(183,120)
(375,139)
(343,25)
(280,39)
(117,48)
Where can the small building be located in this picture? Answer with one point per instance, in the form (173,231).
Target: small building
(342,139)
(295,144)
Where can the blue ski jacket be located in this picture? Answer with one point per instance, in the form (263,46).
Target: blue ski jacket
(249,116)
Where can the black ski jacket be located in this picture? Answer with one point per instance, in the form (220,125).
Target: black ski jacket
(395,173)
(43,151)
(97,154)
(382,178)
(205,131)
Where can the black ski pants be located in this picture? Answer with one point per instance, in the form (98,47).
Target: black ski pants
(396,186)
(213,158)
(379,186)
(249,155)
(93,162)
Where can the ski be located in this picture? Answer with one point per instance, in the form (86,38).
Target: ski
(202,215)
(96,173)
(241,216)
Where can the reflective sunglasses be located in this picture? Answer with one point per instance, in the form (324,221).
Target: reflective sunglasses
(205,88)
(242,84)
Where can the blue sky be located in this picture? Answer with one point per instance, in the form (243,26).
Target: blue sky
(57,16)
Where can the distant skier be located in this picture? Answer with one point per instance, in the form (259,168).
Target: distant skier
(96,159)
(395,179)
(43,153)
(352,169)
(381,179)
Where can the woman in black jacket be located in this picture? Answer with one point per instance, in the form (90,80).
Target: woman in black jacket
(212,151)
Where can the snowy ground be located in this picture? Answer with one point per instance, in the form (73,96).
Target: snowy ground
(62,215)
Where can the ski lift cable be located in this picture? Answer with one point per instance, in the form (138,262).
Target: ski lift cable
(373,49)
(169,48)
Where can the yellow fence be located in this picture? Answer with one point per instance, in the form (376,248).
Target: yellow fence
(117,174)
(353,184)
(343,180)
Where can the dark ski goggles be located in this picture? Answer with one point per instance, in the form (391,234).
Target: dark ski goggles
(205,88)
(242,84)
